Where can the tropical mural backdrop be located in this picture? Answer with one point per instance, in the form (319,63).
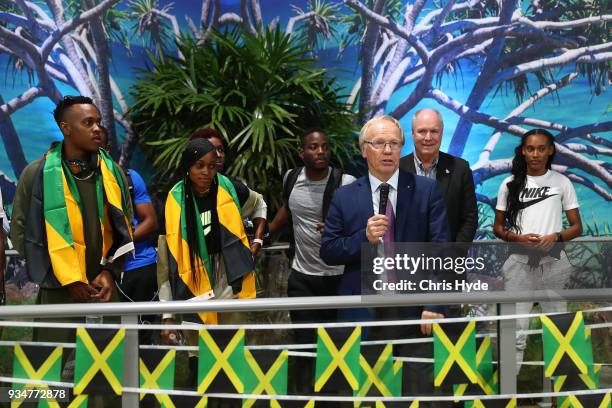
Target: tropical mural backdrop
(260,70)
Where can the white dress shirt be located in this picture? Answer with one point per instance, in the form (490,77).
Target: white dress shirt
(375,186)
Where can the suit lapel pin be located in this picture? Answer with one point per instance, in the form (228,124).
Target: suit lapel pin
(446,171)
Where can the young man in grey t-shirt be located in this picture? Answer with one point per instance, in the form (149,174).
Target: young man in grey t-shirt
(306,190)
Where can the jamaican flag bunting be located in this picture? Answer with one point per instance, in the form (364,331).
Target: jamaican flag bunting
(392,404)
(380,374)
(221,365)
(62,216)
(485,373)
(186,401)
(156,369)
(492,403)
(586,401)
(572,382)
(567,349)
(78,401)
(268,376)
(234,243)
(297,404)
(590,380)
(337,363)
(99,361)
(454,353)
(37,363)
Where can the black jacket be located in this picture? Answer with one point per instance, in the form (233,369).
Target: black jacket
(457,184)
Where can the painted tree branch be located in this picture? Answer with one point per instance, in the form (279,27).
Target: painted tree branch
(589,184)
(57,10)
(8,187)
(402,58)
(256,14)
(563,59)
(367,59)
(564,25)
(229,18)
(484,81)
(101,58)
(11,142)
(373,16)
(73,23)
(492,142)
(585,132)
(473,115)
(293,20)
(592,150)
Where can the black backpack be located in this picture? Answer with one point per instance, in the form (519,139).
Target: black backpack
(333,182)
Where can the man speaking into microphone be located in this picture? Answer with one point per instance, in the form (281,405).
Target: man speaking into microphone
(382,208)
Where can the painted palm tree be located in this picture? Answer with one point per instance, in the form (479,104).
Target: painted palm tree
(317,23)
(156,26)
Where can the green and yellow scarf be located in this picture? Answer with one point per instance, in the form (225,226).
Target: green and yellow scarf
(234,243)
(62,212)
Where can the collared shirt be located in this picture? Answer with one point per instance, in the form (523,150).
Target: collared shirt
(421,171)
(375,186)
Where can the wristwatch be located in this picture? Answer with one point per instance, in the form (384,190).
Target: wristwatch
(559,237)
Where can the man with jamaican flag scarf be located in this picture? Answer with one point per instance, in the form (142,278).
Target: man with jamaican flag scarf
(208,253)
(72,215)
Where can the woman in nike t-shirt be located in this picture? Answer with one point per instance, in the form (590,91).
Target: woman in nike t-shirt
(530,206)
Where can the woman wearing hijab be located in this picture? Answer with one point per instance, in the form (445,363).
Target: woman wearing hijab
(207,250)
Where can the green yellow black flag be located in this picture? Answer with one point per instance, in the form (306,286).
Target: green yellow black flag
(391,404)
(586,401)
(221,366)
(590,380)
(567,348)
(37,363)
(380,374)
(99,361)
(297,404)
(486,382)
(156,369)
(337,364)
(79,401)
(186,401)
(454,353)
(268,376)
(493,403)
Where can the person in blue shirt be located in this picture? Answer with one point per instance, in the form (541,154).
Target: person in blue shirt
(138,281)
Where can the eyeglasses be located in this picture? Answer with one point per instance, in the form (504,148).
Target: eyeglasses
(394,145)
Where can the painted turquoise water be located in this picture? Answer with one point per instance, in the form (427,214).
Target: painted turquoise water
(573,106)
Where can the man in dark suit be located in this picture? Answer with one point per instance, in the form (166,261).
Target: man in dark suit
(415,212)
(455,180)
(453,174)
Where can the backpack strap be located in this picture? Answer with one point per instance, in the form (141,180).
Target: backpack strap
(334,181)
(289,183)
(130,186)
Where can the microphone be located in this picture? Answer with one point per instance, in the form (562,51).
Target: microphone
(384,197)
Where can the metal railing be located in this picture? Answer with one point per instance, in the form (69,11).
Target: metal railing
(129,316)
(505,301)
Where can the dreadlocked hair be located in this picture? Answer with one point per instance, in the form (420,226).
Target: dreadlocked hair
(518,182)
(193,151)
(192,225)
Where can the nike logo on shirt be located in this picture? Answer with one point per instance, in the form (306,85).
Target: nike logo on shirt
(525,204)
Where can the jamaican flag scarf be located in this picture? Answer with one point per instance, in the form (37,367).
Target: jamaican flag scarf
(56,204)
(234,247)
